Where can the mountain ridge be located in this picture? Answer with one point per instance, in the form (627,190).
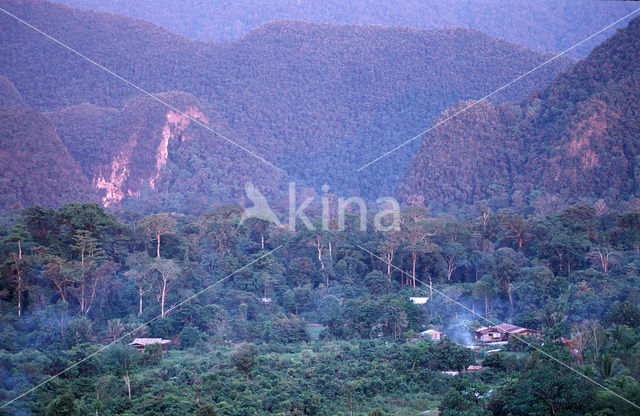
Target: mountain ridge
(557,26)
(303,97)
(574,141)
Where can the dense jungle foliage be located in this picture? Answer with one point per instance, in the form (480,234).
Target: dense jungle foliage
(317,323)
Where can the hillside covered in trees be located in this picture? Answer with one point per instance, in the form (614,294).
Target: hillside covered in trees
(237,300)
(35,166)
(545,25)
(301,95)
(576,140)
(138,278)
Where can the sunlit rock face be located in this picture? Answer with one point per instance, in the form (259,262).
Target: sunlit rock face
(144,131)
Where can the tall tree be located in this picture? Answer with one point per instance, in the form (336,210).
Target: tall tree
(221,227)
(259,227)
(604,257)
(102,273)
(483,289)
(515,228)
(90,252)
(505,270)
(86,216)
(415,235)
(139,267)
(244,358)
(16,268)
(58,271)
(18,234)
(168,271)
(454,255)
(157,225)
(388,249)
(41,223)
(120,360)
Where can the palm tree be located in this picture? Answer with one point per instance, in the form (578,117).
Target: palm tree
(114,328)
(611,367)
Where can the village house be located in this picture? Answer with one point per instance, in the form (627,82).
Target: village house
(432,334)
(501,334)
(419,300)
(141,343)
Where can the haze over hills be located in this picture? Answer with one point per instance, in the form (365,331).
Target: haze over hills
(546,25)
(319,100)
(578,140)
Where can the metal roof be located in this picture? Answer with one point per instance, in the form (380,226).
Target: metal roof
(149,341)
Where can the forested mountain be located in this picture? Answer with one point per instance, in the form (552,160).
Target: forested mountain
(576,140)
(318,100)
(157,156)
(9,95)
(546,25)
(35,167)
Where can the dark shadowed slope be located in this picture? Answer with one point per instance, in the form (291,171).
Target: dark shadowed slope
(579,139)
(35,168)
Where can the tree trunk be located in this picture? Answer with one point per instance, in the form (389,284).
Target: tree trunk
(320,256)
(61,290)
(82,281)
(82,293)
(140,299)
(430,295)
(389,260)
(486,306)
(164,290)
(19,250)
(158,245)
(127,381)
(94,287)
(413,270)
(510,297)
(19,291)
